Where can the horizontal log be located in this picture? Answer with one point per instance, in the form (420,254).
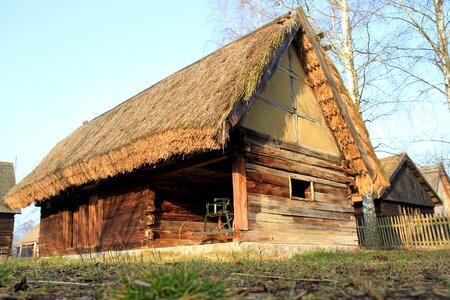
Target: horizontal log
(294,156)
(277,233)
(255,138)
(297,167)
(302,222)
(251,166)
(266,177)
(328,189)
(283,206)
(300,231)
(267,189)
(331,199)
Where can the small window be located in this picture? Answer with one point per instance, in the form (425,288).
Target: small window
(302,189)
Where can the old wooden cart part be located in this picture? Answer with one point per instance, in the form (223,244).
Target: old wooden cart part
(221,210)
(218,209)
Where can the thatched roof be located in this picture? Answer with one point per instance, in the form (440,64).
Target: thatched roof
(192,111)
(393,164)
(7,181)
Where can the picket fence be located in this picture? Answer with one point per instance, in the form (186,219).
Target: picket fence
(410,231)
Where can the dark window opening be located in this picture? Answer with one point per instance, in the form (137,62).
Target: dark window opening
(301,189)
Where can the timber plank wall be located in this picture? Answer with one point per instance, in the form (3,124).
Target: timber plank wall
(128,214)
(275,217)
(6,232)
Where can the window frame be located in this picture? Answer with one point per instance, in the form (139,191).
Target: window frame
(311,185)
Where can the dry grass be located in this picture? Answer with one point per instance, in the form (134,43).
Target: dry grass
(244,275)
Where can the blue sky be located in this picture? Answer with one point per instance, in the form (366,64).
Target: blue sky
(64,62)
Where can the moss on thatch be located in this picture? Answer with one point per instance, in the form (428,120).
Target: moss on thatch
(182,114)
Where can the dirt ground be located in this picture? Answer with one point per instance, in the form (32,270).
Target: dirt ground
(314,275)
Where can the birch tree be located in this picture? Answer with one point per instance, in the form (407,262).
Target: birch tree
(428,46)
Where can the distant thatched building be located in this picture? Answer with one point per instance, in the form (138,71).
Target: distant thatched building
(439,180)
(408,193)
(264,122)
(7,181)
(28,246)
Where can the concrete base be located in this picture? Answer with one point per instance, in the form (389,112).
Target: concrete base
(261,249)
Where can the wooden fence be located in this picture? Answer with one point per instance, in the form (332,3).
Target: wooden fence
(410,231)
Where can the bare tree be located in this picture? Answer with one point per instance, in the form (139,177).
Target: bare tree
(426,46)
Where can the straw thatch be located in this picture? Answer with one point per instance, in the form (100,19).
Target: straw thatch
(182,114)
(341,115)
(393,164)
(192,111)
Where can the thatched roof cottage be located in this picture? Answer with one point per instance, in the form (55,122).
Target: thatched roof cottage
(28,245)
(262,129)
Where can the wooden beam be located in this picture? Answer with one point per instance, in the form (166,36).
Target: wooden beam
(239,195)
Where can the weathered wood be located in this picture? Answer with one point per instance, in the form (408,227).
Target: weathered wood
(283,206)
(294,175)
(239,192)
(267,189)
(411,231)
(279,233)
(256,138)
(6,232)
(297,167)
(302,222)
(294,156)
(267,177)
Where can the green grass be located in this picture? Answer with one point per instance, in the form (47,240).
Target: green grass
(371,274)
(167,283)
(6,273)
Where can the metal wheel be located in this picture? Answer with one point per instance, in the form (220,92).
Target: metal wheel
(187,230)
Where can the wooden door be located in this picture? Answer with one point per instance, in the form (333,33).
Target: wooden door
(95,220)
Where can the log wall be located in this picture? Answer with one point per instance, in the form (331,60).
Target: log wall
(276,217)
(6,232)
(154,211)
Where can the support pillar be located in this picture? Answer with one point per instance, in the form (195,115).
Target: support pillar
(239,196)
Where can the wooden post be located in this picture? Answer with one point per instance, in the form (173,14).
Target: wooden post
(370,221)
(34,250)
(239,195)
